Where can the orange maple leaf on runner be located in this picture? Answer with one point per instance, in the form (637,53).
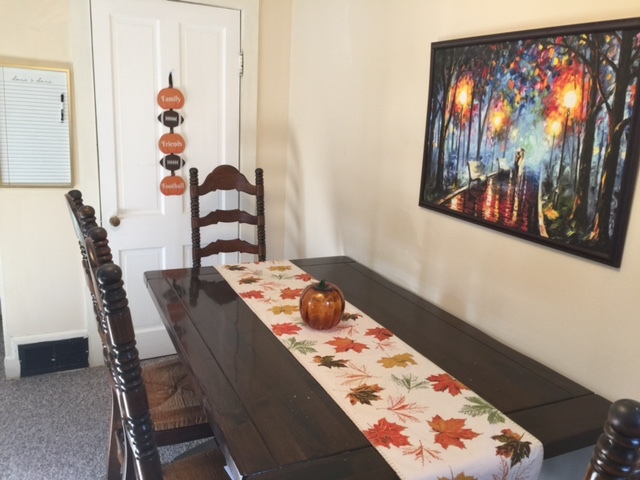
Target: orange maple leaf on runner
(305,277)
(444,382)
(385,434)
(290,294)
(344,344)
(379,333)
(285,329)
(252,294)
(280,268)
(400,360)
(286,309)
(451,432)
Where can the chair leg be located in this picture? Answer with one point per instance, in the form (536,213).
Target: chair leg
(115,454)
(114,465)
(128,464)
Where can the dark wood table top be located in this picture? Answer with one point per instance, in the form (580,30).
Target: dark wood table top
(274,421)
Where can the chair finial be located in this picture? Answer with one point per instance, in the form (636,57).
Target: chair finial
(87,218)
(617,453)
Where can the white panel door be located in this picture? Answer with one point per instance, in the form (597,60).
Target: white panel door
(136,44)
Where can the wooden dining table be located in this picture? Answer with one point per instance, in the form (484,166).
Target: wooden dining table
(274,421)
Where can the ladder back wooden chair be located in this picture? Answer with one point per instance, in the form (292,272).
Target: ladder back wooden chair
(142,460)
(178,414)
(226,178)
(83,219)
(617,453)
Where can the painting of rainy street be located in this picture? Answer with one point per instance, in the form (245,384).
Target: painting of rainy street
(537,134)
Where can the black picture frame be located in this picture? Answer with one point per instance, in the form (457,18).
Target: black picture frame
(535,134)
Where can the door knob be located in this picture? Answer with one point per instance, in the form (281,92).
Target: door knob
(114,221)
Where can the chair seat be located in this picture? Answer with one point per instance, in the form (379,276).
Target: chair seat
(208,465)
(172,399)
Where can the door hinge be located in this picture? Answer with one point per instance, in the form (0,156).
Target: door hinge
(241,64)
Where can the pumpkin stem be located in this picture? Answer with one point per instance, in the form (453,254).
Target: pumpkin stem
(322,285)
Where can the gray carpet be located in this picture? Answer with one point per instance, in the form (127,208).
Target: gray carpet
(55,426)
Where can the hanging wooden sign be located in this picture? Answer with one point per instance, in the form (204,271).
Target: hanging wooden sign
(172,162)
(170,98)
(171,143)
(173,185)
(170,119)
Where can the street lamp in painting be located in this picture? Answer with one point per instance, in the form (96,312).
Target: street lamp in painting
(497,121)
(569,101)
(554,128)
(465,101)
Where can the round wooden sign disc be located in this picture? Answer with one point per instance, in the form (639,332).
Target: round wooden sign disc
(173,185)
(171,143)
(170,98)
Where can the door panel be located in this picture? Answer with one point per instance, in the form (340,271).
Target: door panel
(137,43)
(135,151)
(132,262)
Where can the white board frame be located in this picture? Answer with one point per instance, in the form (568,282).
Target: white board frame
(35,127)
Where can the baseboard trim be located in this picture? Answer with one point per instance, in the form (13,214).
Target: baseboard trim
(11,367)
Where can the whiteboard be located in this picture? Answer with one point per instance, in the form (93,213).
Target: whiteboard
(34,127)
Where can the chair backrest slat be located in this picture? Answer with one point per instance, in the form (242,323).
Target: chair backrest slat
(227,178)
(227,216)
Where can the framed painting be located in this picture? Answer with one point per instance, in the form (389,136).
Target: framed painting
(535,134)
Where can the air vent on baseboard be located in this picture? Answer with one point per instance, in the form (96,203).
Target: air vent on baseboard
(54,356)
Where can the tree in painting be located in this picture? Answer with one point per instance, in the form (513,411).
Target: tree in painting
(534,135)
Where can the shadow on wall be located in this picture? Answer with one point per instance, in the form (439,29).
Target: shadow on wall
(295,244)
(1,325)
(1,344)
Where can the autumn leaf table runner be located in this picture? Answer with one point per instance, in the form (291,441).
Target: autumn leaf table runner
(425,423)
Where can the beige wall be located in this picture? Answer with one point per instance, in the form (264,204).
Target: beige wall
(42,298)
(273,114)
(357,111)
(358,94)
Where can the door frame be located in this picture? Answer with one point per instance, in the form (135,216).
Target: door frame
(85,161)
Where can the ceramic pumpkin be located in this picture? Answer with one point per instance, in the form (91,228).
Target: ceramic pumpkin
(321,305)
